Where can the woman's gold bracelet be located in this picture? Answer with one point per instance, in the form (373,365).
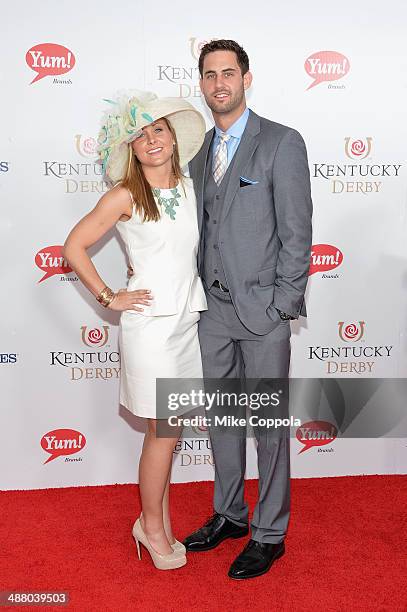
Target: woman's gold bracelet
(105,297)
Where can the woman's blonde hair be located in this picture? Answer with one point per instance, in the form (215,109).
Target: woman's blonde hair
(137,184)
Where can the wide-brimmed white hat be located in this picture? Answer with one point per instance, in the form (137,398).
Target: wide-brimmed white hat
(129,113)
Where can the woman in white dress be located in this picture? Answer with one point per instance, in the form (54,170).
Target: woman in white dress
(143,144)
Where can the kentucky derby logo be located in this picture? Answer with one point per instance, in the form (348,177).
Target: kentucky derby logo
(326,66)
(49,59)
(85,145)
(196,45)
(351,332)
(95,337)
(358,149)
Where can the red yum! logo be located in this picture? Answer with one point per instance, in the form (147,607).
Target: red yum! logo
(95,337)
(325,257)
(326,66)
(316,433)
(51,261)
(62,442)
(49,59)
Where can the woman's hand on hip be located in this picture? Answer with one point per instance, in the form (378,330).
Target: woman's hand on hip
(131,300)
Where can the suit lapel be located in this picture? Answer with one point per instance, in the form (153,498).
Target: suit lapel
(244,153)
(199,175)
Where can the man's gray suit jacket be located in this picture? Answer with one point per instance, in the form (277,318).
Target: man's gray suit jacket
(265,230)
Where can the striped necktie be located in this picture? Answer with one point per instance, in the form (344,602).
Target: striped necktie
(221,158)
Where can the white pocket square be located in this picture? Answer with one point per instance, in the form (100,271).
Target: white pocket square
(247,181)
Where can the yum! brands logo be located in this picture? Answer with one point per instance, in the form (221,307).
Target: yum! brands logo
(325,66)
(353,356)
(51,262)
(94,363)
(316,433)
(361,176)
(325,257)
(60,442)
(49,59)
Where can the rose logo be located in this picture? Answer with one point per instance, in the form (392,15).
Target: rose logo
(358,149)
(199,429)
(95,337)
(351,332)
(196,46)
(86,146)
(89,146)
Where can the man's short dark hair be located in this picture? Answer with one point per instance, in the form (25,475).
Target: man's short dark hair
(225,45)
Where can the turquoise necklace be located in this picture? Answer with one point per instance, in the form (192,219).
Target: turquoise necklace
(168,203)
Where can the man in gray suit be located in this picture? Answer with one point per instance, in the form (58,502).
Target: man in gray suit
(251,179)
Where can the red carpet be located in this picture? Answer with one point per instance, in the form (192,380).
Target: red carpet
(346,550)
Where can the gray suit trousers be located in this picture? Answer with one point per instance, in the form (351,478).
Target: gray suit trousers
(230,350)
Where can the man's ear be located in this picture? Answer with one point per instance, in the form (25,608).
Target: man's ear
(247,79)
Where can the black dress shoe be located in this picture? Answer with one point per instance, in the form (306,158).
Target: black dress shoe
(217,529)
(255,559)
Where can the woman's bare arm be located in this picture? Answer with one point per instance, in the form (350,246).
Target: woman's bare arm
(112,206)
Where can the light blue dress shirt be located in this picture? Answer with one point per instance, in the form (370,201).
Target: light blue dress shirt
(235,131)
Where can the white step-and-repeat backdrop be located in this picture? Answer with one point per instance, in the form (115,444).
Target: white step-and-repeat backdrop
(337,73)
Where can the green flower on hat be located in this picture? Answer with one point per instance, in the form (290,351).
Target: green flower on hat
(122,124)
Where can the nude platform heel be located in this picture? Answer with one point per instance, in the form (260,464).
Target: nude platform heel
(177,546)
(162,562)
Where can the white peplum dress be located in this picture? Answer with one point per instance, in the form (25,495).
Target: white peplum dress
(162,341)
